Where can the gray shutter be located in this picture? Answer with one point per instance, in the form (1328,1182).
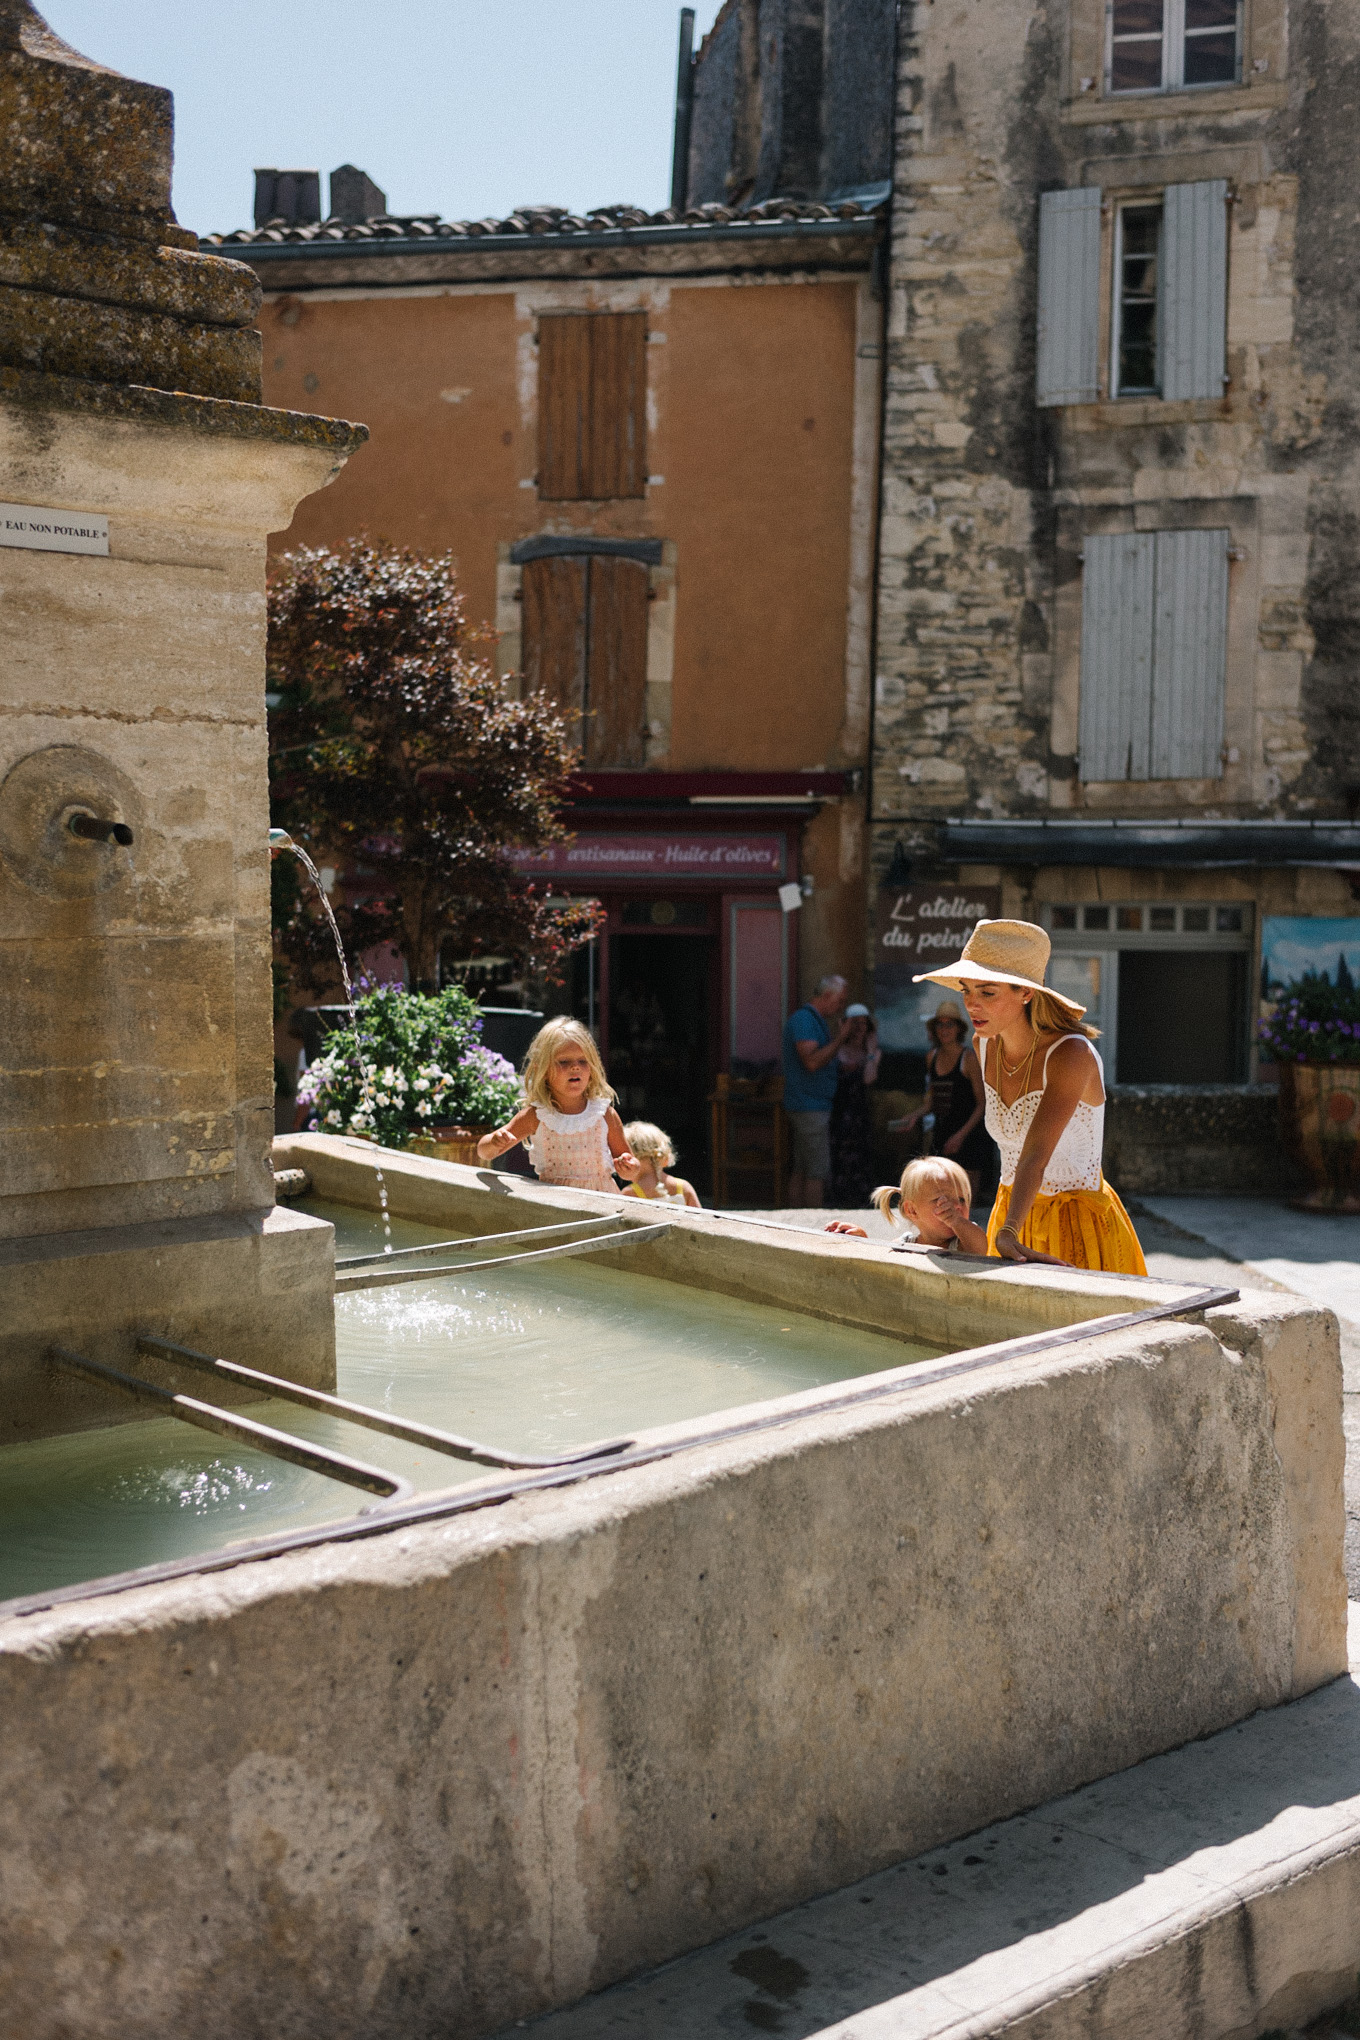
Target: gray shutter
(1117,604)
(1069,296)
(1193,295)
(1190,657)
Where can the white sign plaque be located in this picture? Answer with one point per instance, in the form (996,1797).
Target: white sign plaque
(39,530)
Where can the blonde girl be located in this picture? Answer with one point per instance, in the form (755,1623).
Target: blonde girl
(1045,1089)
(934,1196)
(654,1150)
(567,1122)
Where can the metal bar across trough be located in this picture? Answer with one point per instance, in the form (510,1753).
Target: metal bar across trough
(361,1413)
(279,1445)
(384,1277)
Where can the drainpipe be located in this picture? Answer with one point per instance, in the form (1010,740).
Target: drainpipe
(684,109)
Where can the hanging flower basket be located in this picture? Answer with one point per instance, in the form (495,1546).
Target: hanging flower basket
(1314,1035)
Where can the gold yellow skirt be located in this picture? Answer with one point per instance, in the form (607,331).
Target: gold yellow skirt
(1088,1228)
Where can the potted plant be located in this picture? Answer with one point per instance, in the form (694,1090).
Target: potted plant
(1313,1033)
(412,1074)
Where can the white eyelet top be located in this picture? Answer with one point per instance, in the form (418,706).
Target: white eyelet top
(571,1149)
(1075,1162)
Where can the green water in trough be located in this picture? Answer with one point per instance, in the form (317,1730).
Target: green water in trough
(538,1360)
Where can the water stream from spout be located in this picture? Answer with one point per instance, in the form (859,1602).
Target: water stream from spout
(279,839)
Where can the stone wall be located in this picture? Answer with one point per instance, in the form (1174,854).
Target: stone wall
(987,498)
(1211,1140)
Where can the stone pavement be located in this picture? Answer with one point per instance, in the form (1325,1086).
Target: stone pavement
(1210,1890)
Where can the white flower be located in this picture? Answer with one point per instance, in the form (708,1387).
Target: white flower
(424,1108)
(383,1098)
(422,1084)
(332,1119)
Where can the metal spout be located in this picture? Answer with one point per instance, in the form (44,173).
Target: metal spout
(91,829)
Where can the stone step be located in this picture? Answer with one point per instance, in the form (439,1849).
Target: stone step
(1209,1894)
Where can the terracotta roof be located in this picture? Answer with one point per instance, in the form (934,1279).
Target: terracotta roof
(542,222)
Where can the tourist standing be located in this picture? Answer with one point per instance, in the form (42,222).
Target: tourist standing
(857,1060)
(955,1096)
(1045,1094)
(811,1043)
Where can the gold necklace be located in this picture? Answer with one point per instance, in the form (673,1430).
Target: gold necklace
(1001,1051)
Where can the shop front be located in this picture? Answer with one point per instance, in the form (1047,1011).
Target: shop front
(696,967)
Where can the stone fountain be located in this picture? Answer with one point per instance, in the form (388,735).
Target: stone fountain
(139,479)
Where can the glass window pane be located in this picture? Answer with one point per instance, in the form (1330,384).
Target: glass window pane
(1210,14)
(1095,917)
(1064,917)
(1138,350)
(1228,920)
(1211,59)
(1140,17)
(1162,920)
(1136,67)
(1130,917)
(1195,920)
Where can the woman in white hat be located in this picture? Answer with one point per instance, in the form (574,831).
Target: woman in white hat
(1045,1090)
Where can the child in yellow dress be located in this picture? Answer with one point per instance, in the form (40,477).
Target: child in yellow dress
(567,1122)
(654,1150)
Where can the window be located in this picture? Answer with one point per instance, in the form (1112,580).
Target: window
(1151,959)
(1164,45)
(1154,648)
(585,646)
(592,406)
(1169,316)
(1138,244)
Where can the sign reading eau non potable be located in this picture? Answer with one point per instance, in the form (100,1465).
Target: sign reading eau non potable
(35,529)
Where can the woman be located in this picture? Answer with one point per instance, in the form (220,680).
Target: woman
(1045,1094)
(857,1060)
(955,1095)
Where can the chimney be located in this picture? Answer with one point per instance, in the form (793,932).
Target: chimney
(354,196)
(291,195)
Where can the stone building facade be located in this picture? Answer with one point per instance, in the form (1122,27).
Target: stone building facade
(1118,636)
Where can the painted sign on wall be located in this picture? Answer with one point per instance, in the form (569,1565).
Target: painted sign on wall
(1295,946)
(921,927)
(663,858)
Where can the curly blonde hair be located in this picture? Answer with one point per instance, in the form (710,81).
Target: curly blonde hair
(544,1049)
(649,1143)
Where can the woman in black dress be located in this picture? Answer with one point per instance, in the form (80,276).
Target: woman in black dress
(852,1169)
(954,1095)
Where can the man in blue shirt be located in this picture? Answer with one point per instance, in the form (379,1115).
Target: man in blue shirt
(810,1046)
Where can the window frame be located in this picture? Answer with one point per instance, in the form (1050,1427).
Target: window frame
(1142,202)
(1173,41)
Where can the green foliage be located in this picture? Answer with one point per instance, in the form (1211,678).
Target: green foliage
(1315,1021)
(396,752)
(415,1061)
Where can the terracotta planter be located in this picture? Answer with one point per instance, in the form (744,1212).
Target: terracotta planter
(450,1143)
(1320,1124)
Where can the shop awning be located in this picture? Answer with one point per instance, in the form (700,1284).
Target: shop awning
(1197,844)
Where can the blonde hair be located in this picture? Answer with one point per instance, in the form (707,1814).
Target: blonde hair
(929,1171)
(544,1049)
(649,1143)
(1049,1016)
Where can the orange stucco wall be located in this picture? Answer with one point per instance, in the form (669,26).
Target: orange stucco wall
(750,398)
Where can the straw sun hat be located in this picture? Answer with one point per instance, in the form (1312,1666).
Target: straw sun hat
(1002,953)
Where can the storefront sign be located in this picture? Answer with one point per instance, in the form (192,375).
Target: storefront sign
(39,530)
(921,928)
(663,859)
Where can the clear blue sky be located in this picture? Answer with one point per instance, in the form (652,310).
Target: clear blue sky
(462,107)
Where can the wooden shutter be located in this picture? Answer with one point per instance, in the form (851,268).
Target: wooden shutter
(1069,297)
(555,599)
(1190,657)
(616,694)
(592,406)
(1117,605)
(563,406)
(1193,293)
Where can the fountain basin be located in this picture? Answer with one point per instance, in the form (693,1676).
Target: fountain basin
(434,1777)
